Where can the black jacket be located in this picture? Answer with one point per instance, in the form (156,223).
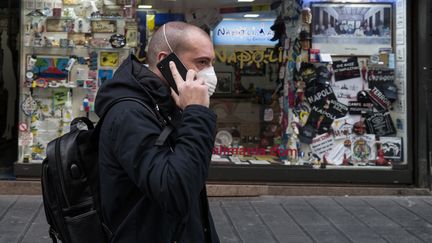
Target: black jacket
(162,192)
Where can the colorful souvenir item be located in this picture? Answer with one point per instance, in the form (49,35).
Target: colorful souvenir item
(117,41)
(29,106)
(359,128)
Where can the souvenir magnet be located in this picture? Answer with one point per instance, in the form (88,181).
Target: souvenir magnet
(31,62)
(70,63)
(117,41)
(29,106)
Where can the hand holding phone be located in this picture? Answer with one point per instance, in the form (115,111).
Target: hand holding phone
(164,68)
(191,91)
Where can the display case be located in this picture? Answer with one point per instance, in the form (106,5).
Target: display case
(68,49)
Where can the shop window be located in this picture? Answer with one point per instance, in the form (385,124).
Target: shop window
(328,89)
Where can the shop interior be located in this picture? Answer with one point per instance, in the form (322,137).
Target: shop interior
(310,84)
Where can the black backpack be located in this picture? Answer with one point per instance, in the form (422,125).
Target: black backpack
(70,182)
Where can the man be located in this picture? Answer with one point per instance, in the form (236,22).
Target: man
(149,192)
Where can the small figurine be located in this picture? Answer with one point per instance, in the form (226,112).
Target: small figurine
(306,15)
(381,160)
(323,164)
(86,106)
(363,71)
(80,26)
(345,160)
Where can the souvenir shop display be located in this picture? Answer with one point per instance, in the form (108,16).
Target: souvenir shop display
(70,48)
(338,101)
(310,86)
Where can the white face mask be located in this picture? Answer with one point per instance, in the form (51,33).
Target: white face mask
(209,76)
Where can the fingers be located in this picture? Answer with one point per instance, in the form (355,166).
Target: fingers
(190,76)
(175,97)
(176,75)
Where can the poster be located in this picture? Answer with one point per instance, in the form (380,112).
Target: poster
(347,90)
(322,144)
(337,154)
(392,147)
(352,28)
(344,70)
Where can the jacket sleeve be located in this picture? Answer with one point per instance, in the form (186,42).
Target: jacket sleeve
(174,179)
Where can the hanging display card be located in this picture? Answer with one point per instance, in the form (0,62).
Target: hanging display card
(380,124)
(344,70)
(381,103)
(103,26)
(319,95)
(358,108)
(380,77)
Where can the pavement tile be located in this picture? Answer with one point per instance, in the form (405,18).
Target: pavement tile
(17,220)
(247,222)
(312,221)
(223,224)
(408,220)
(5,203)
(344,221)
(375,220)
(283,227)
(38,231)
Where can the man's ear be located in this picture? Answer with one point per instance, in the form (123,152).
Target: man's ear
(161,55)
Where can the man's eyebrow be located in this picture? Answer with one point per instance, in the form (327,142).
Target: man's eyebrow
(203,58)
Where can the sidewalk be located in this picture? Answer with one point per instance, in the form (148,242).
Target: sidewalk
(270,219)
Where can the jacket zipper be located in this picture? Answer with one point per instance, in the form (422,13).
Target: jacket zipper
(59,164)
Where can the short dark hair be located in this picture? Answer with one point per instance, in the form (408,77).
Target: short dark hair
(177,34)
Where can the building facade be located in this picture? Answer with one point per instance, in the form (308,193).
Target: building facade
(308,91)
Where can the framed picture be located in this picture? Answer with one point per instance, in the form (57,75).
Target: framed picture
(59,25)
(51,67)
(104,75)
(78,39)
(109,59)
(224,84)
(352,28)
(392,147)
(103,26)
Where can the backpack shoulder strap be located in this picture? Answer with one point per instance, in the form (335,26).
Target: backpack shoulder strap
(167,128)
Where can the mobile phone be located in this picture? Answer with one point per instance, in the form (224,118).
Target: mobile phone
(164,68)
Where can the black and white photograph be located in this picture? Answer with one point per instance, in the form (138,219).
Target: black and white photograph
(351,28)
(392,147)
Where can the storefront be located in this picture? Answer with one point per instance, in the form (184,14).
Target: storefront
(307,92)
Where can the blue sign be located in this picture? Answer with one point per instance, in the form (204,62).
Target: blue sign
(244,32)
